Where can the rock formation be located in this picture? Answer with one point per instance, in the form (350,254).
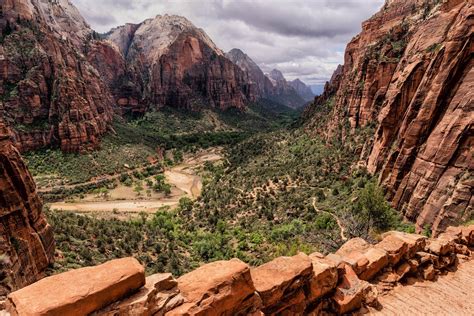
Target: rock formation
(26,239)
(263,85)
(51,94)
(354,277)
(302,89)
(283,92)
(409,73)
(61,81)
(171,62)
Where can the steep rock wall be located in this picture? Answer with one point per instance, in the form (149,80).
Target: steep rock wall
(26,239)
(409,73)
(170,62)
(51,94)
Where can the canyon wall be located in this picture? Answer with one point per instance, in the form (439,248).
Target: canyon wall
(409,74)
(26,239)
(354,277)
(51,95)
(170,62)
(61,82)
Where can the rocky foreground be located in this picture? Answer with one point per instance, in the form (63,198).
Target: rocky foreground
(353,278)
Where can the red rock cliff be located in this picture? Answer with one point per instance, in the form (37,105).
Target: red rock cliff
(51,94)
(409,73)
(170,62)
(26,239)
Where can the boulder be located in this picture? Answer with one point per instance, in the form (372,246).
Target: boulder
(159,295)
(350,291)
(79,292)
(377,260)
(429,272)
(414,242)
(281,281)
(353,245)
(440,247)
(395,247)
(468,235)
(218,288)
(324,278)
(395,274)
(424,257)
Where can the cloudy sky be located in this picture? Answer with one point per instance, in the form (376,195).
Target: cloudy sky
(303,38)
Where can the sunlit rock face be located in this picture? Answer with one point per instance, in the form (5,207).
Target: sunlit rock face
(172,62)
(409,73)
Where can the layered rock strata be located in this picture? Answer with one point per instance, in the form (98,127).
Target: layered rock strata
(26,239)
(343,282)
(169,61)
(409,74)
(51,95)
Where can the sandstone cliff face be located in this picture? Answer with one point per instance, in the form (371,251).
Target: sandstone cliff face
(171,62)
(409,74)
(51,94)
(26,239)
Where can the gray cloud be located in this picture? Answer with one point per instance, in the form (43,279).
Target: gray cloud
(303,38)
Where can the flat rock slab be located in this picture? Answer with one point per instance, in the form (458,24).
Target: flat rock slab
(78,292)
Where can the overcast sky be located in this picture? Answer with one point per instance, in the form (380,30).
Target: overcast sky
(303,38)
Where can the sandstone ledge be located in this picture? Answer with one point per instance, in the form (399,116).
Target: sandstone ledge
(79,292)
(300,285)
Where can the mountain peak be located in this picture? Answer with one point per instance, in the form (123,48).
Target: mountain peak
(154,36)
(237,52)
(277,75)
(303,90)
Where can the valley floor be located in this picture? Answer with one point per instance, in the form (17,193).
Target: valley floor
(122,201)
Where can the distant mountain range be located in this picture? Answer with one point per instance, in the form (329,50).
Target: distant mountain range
(63,81)
(273,85)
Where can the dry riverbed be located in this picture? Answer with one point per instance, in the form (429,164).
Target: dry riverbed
(123,202)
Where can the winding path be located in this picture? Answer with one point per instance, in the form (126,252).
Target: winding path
(338,220)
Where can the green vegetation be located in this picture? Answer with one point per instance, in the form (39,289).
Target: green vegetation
(279,193)
(134,141)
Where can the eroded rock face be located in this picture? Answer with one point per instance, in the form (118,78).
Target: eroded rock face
(409,74)
(26,239)
(177,64)
(263,85)
(51,94)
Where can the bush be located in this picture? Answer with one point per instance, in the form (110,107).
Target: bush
(373,210)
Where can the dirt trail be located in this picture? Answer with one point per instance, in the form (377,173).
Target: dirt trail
(338,221)
(184,180)
(451,294)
